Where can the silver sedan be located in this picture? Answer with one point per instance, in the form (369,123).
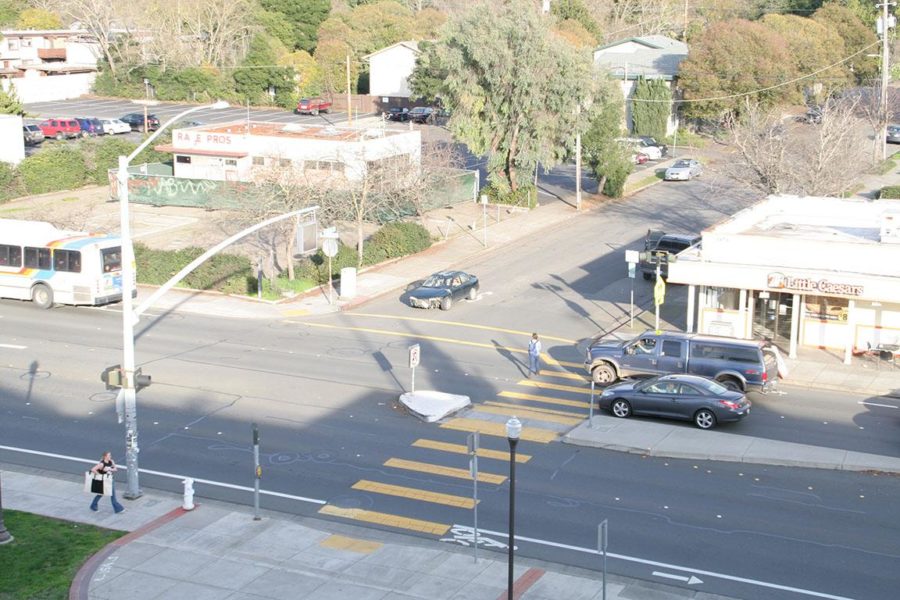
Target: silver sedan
(684,169)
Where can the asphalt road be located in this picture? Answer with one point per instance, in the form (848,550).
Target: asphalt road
(323,391)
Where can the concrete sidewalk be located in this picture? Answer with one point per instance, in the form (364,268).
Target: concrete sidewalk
(217,551)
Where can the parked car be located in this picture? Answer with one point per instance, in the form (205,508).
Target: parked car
(660,248)
(443,289)
(737,364)
(684,169)
(813,115)
(650,142)
(396,113)
(115,126)
(136,121)
(32,135)
(684,397)
(90,126)
(639,158)
(643,146)
(421,114)
(312,106)
(893,134)
(60,128)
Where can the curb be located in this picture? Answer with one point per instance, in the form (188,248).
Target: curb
(79,590)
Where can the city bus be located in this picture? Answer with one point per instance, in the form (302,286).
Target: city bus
(48,266)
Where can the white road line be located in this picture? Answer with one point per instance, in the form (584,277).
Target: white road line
(688,580)
(654,563)
(13,346)
(864,403)
(229,486)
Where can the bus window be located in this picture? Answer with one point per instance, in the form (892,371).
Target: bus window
(112,259)
(37,258)
(67,260)
(10,256)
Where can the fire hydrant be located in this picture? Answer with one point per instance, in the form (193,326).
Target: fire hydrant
(188,494)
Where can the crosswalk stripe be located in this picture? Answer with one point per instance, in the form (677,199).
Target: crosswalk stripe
(562,363)
(545,399)
(414,494)
(370,516)
(518,411)
(423,467)
(529,434)
(535,409)
(554,386)
(461,449)
(563,375)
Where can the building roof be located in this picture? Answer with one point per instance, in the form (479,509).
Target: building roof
(295,130)
(650,56)
(411,45)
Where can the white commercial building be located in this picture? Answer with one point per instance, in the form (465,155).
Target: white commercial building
(812,271)
(239,151)
(12,143)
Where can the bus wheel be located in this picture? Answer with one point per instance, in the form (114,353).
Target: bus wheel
(42,296)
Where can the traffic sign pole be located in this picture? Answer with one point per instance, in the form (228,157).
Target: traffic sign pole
(415,355)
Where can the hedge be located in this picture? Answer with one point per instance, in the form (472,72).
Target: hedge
(10,182)
(394,240)
(226,273)
(890,191)
(52,170)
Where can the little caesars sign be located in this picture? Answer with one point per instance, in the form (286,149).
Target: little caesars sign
(780,281)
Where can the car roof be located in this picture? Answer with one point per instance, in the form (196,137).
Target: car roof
(705,337)
(448,273)
(686,378)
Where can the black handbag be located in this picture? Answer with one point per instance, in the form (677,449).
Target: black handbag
(97,485)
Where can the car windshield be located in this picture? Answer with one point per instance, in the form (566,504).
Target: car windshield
(436,281)
(681,164)
(713,387)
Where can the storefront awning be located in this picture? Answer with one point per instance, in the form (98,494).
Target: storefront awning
(194,152)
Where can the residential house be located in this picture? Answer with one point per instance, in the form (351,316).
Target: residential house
(47,65)
(648,57)
(390,69)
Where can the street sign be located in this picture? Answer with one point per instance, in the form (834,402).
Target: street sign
(414,355)
(631,269)
(632,256)
(659,291)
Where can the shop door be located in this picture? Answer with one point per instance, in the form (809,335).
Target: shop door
(772,316)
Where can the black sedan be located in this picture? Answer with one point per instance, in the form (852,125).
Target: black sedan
(395,113)
(136,121)
(442,289)
(686,397)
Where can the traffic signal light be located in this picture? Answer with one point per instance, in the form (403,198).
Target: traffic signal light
(112,377)
(141,381)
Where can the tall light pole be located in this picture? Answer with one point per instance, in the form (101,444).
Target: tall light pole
(513,431)
(127,393)
(884,24)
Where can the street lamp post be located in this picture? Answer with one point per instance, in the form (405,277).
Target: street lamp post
(513,431)
(127,393)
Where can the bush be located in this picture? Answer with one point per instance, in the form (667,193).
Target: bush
(525,196)
(10,182)
(226,273)
(890,191)
(395,240)
(54,169)
(102,154)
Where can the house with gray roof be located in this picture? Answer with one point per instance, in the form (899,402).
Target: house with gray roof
(649,56)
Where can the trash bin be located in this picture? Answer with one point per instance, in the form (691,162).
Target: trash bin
(348,283)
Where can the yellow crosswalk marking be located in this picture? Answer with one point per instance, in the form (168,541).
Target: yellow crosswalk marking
(467,325)
(530,434)
(558,401)
(295,312)
(534,409)
(554,386)
(414,494)
(524,413)
(370,516)
(342,542)
(423,467)
(462,449)
(562,363)
(563,375)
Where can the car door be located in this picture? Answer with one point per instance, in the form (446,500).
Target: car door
(640,358)
(672,356)
(457,286)
(657,399)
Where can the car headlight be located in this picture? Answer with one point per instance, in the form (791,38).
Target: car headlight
(606,394)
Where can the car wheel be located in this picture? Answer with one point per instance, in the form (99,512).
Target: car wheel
(647,276)
(603,374)
(315,112)
(620,408)
(42,296)
(59,136)
(704,419)
(731,384)
(473,293)
(446,303)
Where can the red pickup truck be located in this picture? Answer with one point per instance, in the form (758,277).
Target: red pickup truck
(312,106)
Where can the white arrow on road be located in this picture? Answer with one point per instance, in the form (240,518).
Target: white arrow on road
(688,580)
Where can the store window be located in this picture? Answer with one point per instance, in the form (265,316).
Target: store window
(183,159)
(230,162)
(259,161)
(827,308)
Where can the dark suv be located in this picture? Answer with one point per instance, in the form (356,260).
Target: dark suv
(660,248)
(136,121)
(421,114)
(90,126)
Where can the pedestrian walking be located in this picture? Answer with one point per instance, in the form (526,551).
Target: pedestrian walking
(106,466)
(534,354)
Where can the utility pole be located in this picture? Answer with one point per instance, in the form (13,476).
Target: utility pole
(884,26)
(684,35)
(577,164)
(349,107)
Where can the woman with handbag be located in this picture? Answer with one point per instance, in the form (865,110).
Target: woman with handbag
(106,466)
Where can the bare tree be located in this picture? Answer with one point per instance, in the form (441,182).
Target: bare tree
(878,116)
(439,171)
(97,17)
(818,159)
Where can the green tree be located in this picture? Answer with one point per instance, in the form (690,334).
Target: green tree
(731,60)
(376,26)
(513,88)
(858,38)
(301,20)
(9,102)
(37,18)
(575,33)
(651,107)
(10,9)
(575,10)
(427,79)
(609,160)
(53,169)
(259,74)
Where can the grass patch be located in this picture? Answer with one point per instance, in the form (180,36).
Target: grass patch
(688,139)
(642,183)
(285,287)
(42,561)
(852,190)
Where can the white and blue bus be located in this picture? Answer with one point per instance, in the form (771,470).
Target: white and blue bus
(48,266)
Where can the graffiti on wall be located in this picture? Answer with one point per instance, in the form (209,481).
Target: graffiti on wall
(168,190)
